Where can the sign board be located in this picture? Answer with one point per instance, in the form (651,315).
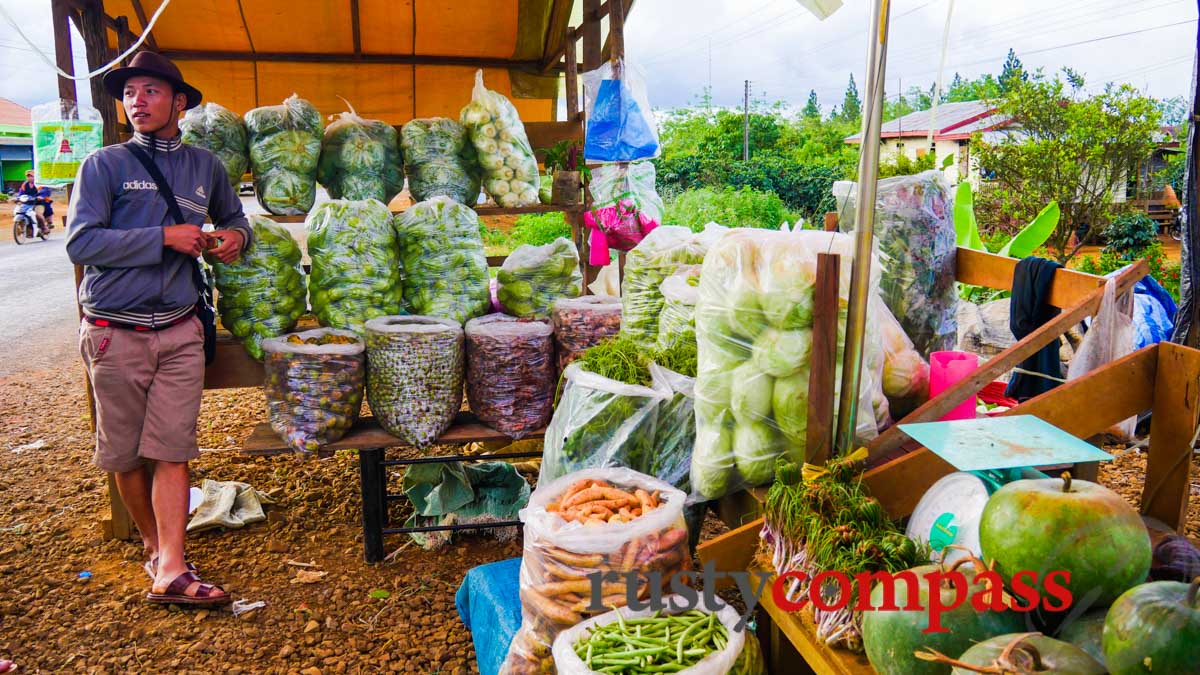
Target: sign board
(62,141)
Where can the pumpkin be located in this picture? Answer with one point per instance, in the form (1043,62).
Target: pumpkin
(1085,632)
(1155,628)
(1027,654)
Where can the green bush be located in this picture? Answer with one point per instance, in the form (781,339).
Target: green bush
(1129,234)
(540,228)
(743,207)
(804,188)
(1164,271)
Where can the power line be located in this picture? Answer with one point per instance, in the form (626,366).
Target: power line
(724,28)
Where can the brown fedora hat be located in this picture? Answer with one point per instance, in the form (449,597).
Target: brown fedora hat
(152,64)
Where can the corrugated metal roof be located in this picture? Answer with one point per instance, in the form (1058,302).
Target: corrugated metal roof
(951,117)
(13,113)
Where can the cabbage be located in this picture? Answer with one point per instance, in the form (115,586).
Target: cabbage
(360,159)
(285,146)
(750,394)
(712,458)
(445,269)
(221,132)
(755,447)
(780,353)
(504,153)
(789,401)
(440,160)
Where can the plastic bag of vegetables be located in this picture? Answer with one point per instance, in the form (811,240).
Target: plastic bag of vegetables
(569,535)
(360,159)
(583,322)
(626,208)
(662,253)
(510,373)
(533,277)
(314,386)
(677,322)
(285,146)
(355,267)
(440,160)
(754,334)
(445,269)
(414,375)
(221,132)
(510,171)
(905,376)
(261,294)
(914,231)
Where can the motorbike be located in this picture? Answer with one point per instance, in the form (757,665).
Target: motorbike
(27,224)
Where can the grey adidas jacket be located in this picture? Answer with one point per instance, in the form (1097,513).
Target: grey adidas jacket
(115,228)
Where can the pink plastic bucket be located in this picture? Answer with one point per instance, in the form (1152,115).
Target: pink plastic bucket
(947,368)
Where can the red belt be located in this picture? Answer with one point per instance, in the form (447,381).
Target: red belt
(106,323)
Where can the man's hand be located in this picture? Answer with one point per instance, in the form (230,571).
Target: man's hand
(187,239)
(230,246)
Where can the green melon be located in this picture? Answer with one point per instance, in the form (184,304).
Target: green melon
(1033,653)
(1154,628)
(1085,632)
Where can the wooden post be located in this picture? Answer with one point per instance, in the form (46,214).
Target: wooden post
(572,81)
(1172,431)
(831,221)
(95,38)
(61,11)
(591,35)
(616,31)
(823,361)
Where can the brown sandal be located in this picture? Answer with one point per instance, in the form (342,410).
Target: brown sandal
(151,568)
(205,595)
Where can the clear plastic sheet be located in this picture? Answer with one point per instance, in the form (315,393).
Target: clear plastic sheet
(414,375)
(677,322)
(620,121)
(221,132)
(64,134)
(360,159)
(1109,338)
(314,392)
(510,171)
(510,373)
(355,269)
(445,269)
(559,555)
(440,160)
(261,294)
(582,323)
(533,277)
(625,209)
(663,252)
(285,147)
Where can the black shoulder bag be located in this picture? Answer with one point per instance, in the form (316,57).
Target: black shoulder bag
(204,304)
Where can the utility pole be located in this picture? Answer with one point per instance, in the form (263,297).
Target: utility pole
(746,125)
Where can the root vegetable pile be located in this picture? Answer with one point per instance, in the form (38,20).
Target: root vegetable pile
(510,373)
(314,386)
(593,502)
(581,323)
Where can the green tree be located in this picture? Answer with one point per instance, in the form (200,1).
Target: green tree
(851,103)
(982,88)
(1174,110)
(898,108)
(1012,73)
(812,109)
(1068,148)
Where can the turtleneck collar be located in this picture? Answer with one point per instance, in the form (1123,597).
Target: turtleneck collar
(158,144)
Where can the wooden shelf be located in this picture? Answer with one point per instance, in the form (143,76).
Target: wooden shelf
(484,210)
(800,630)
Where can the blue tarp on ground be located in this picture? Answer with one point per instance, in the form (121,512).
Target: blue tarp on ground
(489,603)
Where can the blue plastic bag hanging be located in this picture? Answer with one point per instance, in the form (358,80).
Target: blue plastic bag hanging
(620,123)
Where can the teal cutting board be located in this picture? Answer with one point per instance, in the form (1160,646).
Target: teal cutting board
(1002,443)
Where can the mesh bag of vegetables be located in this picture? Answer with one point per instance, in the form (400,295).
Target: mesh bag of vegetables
(583,322)
(914,231)
(261,294)
(414,375)
(510,171)
(648,265)
(285,146)
(677,323)
(533,277)
(754,335)
(314,386)
(355,267)
(445,269)
(360,159)
(571,532)
(510,373)
(440,160)
(221,132)
(696,644)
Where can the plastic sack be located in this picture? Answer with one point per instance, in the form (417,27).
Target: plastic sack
(625,208)
(662,253)
(914,228)
(720,662)
(360,159)
(620,121)
(440,160)
(1109,338)
(510,171)
(314,391)
(261,294)
(905,373)
(445,269)
(754,334)
(677,322)
(414,375)
(355,270)
(64,134)
(221,132)
(582,323)
(533,277)
(510,373)
(558,556)
(285,147)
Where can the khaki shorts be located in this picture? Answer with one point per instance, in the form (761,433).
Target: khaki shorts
(147,386)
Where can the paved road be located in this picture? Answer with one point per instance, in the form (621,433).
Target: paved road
(38,324)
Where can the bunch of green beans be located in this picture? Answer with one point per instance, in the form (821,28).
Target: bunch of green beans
(654,644)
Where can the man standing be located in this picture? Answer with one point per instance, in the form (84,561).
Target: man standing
(140,339)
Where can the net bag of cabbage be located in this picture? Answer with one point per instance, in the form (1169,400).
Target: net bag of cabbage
(414,375)
(355,269)
(510,171)
(440,160)
(510,373)
(582,323)
(285,146)
(704,640)
(445,269)
(314,386)
(662,253)
(221,132)
(677,322)
(360,158)
(533,277)
(596,520)
(261,294)
(754,335)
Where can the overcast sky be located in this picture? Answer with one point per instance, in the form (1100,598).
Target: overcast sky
(785,52)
